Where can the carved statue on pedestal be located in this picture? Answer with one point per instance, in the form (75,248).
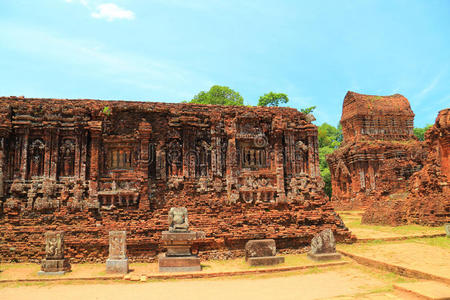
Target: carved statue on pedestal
(178,219)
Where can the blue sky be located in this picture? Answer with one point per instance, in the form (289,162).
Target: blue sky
(169,50)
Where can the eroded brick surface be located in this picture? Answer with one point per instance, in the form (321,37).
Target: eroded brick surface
(88,167)
(383,168)
(426,199)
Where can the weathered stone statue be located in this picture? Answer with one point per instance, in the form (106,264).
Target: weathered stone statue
(447,229)
(178,241)
(117,261)
(323,246)
(178,219)
(54,262)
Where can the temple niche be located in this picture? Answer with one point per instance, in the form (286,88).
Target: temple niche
(84,163)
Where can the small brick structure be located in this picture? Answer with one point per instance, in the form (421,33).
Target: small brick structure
(262,253)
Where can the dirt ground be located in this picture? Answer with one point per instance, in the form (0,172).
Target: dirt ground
(17,271)
(412,255)
(344,283)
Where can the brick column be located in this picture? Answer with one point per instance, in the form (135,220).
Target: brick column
(2,159)
(55,153)
(24,156)
(279,126)
(145,130)
(231,163)
(95,129)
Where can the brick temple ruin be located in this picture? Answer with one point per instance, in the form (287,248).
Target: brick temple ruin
(426,199)
(379,158)
(87,167)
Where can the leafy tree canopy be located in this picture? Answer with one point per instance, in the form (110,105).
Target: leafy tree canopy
(218,95)
(273,99)
(420,132)
(329,138)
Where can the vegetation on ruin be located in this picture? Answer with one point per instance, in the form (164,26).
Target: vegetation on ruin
(218,95)
(273,99)
(106,110)
(308,110)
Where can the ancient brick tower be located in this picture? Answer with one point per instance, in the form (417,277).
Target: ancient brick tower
(366,117)
(379,152)
(89,166)
(426,198)
(382,168)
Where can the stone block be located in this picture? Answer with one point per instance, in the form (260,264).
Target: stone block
(265,260)
(260,248)
(179,264)
(117,245)
(173,237)
(447,229)
(179,250)
(324,256)
(117,266)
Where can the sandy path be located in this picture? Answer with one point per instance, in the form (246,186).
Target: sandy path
(303,286)
(421,257)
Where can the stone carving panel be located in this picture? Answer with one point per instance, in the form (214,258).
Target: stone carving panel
(117,244)
(54,245)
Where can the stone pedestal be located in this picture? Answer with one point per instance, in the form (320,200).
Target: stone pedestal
(54,266)
(54,262)
(324,256)
(179,264)
(117,261)
(117,266)
(178,257)
(265,260)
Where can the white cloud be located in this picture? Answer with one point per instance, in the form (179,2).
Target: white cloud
(111,12)
(107,11)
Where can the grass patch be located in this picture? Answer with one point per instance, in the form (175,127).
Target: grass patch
(440,241)
(352,220)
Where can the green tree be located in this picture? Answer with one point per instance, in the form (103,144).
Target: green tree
(273,99)
(308,110)
(218,95)
(420,132)
(329,138)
